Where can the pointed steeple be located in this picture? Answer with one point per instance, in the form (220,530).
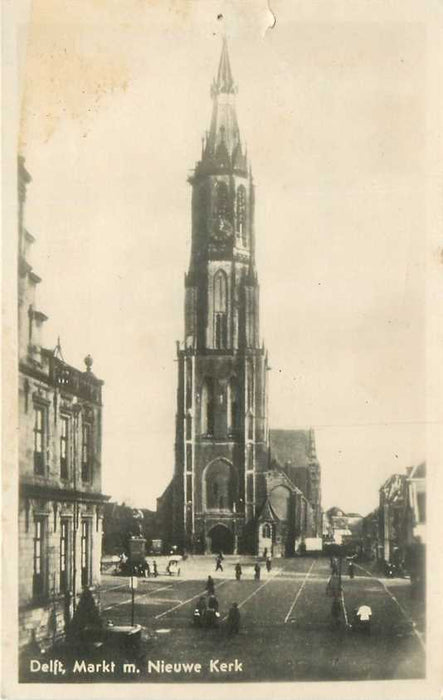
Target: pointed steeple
(223,145)
(224,83)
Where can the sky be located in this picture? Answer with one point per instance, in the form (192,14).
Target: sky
(115,100)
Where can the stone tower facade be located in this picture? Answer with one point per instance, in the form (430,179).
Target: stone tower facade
(221,421)
(237,487)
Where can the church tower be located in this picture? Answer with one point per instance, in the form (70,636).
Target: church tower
(221,450)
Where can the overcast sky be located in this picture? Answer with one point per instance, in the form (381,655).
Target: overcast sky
(116,100)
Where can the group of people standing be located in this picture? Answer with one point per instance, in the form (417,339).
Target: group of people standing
(206,613)
(238,568)
(142,568)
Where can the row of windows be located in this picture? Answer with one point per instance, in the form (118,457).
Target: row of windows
(41,441)
(65,573)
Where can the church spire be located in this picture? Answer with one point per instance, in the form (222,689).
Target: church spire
(223,145)
(224,83)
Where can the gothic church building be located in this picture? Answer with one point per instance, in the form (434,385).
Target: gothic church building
(231,490)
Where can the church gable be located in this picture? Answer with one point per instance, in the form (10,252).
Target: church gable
(267,513)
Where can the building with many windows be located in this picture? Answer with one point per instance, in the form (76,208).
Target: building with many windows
(402,513)
(228,491)
(60,499)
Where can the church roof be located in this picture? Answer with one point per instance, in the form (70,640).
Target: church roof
(292,448)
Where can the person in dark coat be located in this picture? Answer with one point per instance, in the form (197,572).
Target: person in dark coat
(154,569)
(201,605)
(351,569)
(257,572)
(218,563)
(212,614)
(213,603)
(234,619)
(268,564)
(238,571)
(210,585)
(200,612)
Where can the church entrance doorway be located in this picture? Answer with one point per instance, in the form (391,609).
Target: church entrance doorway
(221,540)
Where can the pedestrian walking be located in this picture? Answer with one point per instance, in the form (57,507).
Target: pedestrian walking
(257,572)
(362,619)
(351,569)
(212,613)
(210,588)
(218,563)
(265,553)
(154,569)
(268,564)
(233,619)
(199,613)
(238,571)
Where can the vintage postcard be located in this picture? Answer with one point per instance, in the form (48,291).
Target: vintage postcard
(222,388)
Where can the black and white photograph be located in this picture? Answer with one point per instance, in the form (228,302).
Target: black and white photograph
(226,431)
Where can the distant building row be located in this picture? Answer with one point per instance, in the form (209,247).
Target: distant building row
(398,525)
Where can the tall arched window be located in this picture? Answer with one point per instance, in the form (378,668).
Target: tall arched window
(240,213)
(207,407)
(220,296)
(222,200)
(220,486)
(280,501)
(233,407)
(220,310)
